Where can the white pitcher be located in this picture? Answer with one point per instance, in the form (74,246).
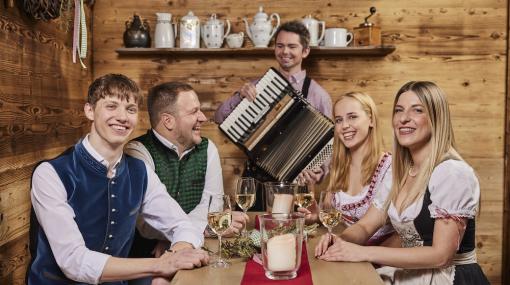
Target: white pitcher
(213,32)
(189,31)
(313,27)
(164,36)
(261,30)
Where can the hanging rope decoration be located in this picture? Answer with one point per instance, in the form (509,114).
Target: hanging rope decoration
(51,9)
(80,33)
(42,9)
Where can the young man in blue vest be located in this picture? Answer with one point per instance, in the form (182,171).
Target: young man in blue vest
(87,201)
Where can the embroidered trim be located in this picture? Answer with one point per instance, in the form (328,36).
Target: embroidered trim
(371,187)
(441,213)
(438,212)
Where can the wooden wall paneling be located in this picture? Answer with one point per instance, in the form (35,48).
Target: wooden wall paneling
(461,45)
(41,114)
(14,259)
(505,267)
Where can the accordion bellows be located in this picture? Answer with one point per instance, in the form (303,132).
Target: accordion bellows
(280,131)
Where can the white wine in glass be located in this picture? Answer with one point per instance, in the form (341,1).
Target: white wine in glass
(304,200)
(245,195)
(219,222)
(245,201)
(303,197)
(219,219)
(329,215)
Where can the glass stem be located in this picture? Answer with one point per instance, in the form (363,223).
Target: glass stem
(243,230)
(219,249)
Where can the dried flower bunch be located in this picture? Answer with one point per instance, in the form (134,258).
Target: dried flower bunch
(246,247)
(42,9)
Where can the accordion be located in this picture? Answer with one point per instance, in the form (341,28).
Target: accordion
(280,131)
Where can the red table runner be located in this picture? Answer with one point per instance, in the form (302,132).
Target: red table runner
(254,273)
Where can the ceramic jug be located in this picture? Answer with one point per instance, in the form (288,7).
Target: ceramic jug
(235,40)
(261,29)
(189,31)
(313,27)
(137,33)
(213,32)
(164,36)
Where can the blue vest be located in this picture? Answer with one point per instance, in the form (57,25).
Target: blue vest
(106,210)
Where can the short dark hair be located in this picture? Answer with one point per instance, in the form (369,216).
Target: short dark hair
(298,28)
(116,85)
(162,98)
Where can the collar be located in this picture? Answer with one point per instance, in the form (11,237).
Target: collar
(170,145)
(93,152)
(297,77)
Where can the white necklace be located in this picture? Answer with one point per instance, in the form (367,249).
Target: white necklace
(410,172)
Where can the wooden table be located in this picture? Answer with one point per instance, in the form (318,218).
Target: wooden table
(345,273)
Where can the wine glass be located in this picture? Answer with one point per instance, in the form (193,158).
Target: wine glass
(329,215)
(304,196)
(219,219)
(245,195)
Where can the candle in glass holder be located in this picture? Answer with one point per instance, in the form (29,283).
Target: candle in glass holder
(281,253)
(282,203)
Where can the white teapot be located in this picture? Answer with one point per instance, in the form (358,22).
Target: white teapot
(213,32)
(164,36)
(261,30)
(313,27)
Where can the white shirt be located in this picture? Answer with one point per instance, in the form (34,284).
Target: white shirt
(56,217)
(454,189)
(213,177)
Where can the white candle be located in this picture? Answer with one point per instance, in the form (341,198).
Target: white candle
(281,253)
(282,204)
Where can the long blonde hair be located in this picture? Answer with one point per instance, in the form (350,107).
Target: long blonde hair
(339,177)
(442,142)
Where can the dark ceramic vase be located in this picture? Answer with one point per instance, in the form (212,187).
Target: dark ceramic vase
(137,33)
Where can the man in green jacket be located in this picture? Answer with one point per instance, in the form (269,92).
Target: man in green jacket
(187,163)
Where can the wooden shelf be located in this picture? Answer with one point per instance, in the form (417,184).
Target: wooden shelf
(316,51)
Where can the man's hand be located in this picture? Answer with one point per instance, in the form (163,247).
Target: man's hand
(248,91)
(161,281)
(187,258)
(239,220)
(181,245)
(160,248)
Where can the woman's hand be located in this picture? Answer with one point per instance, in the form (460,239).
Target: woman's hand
(342,250)
(325,242)
(239,220)
(311,177)
(311,213)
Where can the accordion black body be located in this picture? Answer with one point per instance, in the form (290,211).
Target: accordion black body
(280,131)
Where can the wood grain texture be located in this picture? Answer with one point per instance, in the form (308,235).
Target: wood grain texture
(41,114)
(14,258)
(506,195)
(461,45)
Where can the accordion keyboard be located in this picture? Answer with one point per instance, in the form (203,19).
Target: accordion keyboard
(280,131)
(247,115)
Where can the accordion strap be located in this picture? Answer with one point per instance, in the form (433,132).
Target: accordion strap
(306,86)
